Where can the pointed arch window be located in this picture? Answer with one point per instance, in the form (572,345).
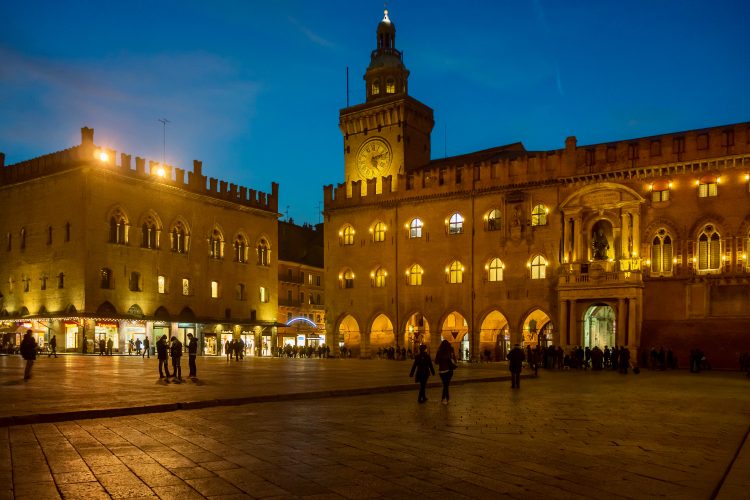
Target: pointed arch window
(539,215)
(538,267)
(378,277)
(495,270)
(378,233)
(150,233)
(661,253)
(118,228)
(709,249)
(347,235)
(455,272)
(346,279)
(180,238)
(390,86)
(216,245)
(264,253)
(240,249)
(456,224)
(415,228)
(493,220)
(414,275)
(375,90)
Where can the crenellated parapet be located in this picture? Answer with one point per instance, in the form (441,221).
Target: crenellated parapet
(87,154)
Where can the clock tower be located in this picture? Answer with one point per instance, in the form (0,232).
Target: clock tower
(389,134)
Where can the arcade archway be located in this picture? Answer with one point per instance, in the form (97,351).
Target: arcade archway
(381,333)
(599,326)
(455,330)
(417,332)
(537,329)
(494,337)
(350,340)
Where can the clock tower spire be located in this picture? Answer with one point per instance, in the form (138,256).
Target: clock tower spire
(389,133)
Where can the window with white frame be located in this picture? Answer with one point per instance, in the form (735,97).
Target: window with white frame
(661,253)
(493,220)
(415,228)
(347,235)
(347,279)
(539,215)
(378,233)
(455,272)
(495,270)
(378,278)
(709,249)
(538,267)
(456,224)
(414,275)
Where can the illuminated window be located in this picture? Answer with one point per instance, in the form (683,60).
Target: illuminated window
(105,278)
(186,287)
(240,249)
(414,275)
(179,237)
(149,233)
(161,284)
(493,220)
(661,253)
(379,231)
(495,270)
(375,87)
(117,228)
(216,245)
(538,268)
(456,224)
(390,86)
(455,272)
(660,195)
(214,289)
(347,279)
(708,187)
(135,282)
(347,234)
(539,216)
(379,278)
(415,228)
(264,253)
(709,249)
(264,295)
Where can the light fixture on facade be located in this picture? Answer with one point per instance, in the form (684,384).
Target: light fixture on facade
(101,155)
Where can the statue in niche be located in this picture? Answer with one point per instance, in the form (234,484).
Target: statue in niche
(600,245)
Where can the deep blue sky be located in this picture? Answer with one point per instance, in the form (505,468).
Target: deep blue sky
(254,88)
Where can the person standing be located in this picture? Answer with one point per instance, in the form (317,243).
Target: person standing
(110,344)
(228,349)
(192,352)
(161,354)
(422,366)
(515,364)
(446,361)
(137,346)
(52,346)
(175,350)
(85,346)
(28,352)
(146,348)
(102,346)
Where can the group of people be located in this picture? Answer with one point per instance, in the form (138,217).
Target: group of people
(293,351)
(141,348)
(579,358)
(172,348)
(234,347)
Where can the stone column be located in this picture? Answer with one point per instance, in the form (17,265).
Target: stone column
(625,236)
(636,235)
(621,322)
(579,252)
(631,340)
(364,345)
(567,255)
(573,334)
(564,334)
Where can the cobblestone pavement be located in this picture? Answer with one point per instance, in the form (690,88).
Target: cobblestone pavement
(563,435)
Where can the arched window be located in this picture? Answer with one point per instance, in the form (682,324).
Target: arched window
(346,279)
(661,253)
(216,245)
(378,277)
(149,232)
(539,215)
(709,249)
(495,270)
(347,235)
(179,237)
(390,86)
(378,232)
(105,278)
(414,275)
(375,87)
(264,253)
(415,228)
(240,249)
(455,272)
(456,224)
(493,220)
(538,267)
(117,228)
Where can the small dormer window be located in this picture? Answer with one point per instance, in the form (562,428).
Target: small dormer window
(375,87)
(390,86)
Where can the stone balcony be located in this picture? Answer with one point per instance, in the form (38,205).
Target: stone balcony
(624,272)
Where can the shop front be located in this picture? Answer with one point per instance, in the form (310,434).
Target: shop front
(106,331)
(73,338)
(133,331)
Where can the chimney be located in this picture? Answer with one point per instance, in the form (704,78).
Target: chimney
(87,136)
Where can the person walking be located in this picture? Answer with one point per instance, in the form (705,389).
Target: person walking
(102,346)
(175,350)
(161,354)
(192,352)
(228,349)
(422,366)
(446,361)
(146,348)
(515,364)
(137,346)
(52,346)
(28,352)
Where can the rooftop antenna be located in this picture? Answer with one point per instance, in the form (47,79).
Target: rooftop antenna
(286,213)
(164,122)
(319,212)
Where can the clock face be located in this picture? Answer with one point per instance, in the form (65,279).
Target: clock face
(374,158)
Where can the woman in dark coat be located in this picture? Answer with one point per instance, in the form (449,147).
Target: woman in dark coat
(422,366)
(515,364)
(446,361)
(28,351)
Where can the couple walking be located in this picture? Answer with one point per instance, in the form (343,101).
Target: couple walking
(423,367)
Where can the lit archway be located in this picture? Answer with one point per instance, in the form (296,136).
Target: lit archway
(381,333)
(455,330)
(350,340)
(599,326)
(537,329)
(416,332)
(494,337)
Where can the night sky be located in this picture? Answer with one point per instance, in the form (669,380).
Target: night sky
(254,88)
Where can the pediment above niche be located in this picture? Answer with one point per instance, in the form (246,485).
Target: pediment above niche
(605,195)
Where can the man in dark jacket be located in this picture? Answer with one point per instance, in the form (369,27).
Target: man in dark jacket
(175,350)
(28,351)
(423,367)
(515,364)
(161,354)
(192,352)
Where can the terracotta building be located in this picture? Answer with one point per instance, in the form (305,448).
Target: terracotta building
(98,249)
(638,242)
(301,297)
